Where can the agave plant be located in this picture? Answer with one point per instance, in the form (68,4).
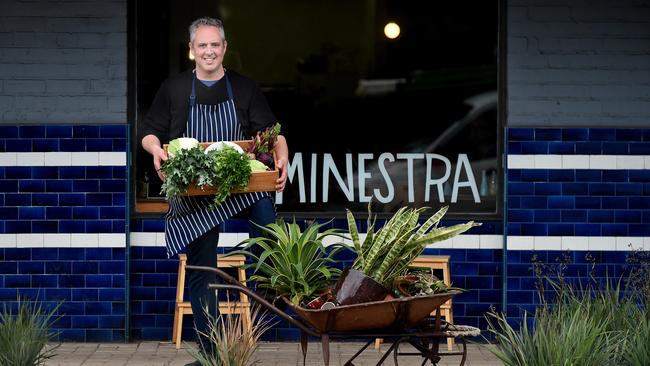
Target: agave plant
(293,263)
(25,334)
(386,254)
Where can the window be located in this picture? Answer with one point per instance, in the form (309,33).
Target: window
(411,120)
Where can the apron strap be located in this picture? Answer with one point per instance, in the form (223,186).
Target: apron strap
(192,101)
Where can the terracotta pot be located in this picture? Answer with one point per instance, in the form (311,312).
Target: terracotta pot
(354,287)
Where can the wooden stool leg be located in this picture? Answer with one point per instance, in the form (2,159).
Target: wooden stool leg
(178,327)
(378,342)
(449,317)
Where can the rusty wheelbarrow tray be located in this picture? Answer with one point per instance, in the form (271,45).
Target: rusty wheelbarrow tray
(403,320)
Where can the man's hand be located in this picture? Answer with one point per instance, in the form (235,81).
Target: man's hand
(282,165)
(159,156)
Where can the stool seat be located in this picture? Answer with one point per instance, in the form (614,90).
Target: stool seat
(241,307)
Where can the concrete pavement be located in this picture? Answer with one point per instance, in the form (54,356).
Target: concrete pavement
(279,354)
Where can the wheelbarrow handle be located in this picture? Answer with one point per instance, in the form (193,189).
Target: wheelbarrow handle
(237,286)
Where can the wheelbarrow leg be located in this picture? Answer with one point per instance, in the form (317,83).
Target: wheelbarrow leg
(303,346)
(325,341)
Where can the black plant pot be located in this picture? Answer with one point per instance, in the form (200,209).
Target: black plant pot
(354,287)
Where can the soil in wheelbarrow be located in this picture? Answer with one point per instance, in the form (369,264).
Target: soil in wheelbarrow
(396,313)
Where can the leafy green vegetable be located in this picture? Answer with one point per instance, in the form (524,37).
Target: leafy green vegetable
(231,171)
(182,143)
(225,169)
(257,165)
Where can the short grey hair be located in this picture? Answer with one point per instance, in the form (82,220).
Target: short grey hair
(206,21)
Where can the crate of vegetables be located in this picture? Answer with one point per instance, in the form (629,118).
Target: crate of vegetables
(205,168)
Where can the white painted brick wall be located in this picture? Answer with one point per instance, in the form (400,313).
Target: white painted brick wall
(578,63)
(63,61)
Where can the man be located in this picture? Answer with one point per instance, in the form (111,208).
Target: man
(208,103)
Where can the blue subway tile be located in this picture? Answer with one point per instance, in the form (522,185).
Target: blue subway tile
(88,185)
(111,267)
(72,172)
(112,213)
(72,145)
(639,175)
(600,216)
(602,189)
(602,134)
(13,226)
(71,226)
(45,199)
(99,172)
(560,229)
(517,188)
(629,189)
(45,145)
(639,202)
(18,145)
(594,148)
(85,321)
(561,175)
(31,213)
(514,148)
(521,134)
(72,199)
(547,216)
(534,175)
(113,185)
(98,226)
(52,132)
(575,134)
(72,281)
(118,226)
(587,229)
(18,172)
(58,213)
(85,213)
(17,281)
(32,267)
(575,189)
(646,189)
(71,254)
(119,199)
(534,229)
(99,145)
(85,294)
(520,215)
(110,294)
(18,199)
(119,172)
(9,213)
(587,202)
(85,131)
(628,216)
(514,175)
(640,148)
(113,131)
(8,294)
(30,185)
(585,175)
(646,134)
(116,322)
(533,202)
(85,267)
(98,280)
(615,148)
(31,132)
(58,186)
(99,199)
(639,230)
(3,145)
(2,172)
(118,254)
(9,132)
(575,216)
(562,202)
(119,145)
(72,335)
(534,147)
(98,308)
(514,229)
(41,227)
(629,134)
(561,148)
(548,134)
(646,216)
(44,281)
(615,175)
(614,230)
(8,185)
(614,202)
(548,189)
(48,172)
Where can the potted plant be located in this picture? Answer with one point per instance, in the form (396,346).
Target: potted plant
(293,263)
(387,253)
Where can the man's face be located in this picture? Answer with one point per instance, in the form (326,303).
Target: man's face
(208,49)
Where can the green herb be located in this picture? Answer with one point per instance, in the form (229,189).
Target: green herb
(231,171)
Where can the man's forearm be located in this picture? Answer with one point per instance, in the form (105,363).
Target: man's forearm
(281,148)
(150,143)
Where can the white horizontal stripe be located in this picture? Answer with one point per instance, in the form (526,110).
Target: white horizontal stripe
(104,158)
(606,162)
(228,240)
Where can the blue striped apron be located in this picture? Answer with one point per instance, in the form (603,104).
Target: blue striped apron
(188,217)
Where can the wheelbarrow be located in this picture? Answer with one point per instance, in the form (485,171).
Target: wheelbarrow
(397,321)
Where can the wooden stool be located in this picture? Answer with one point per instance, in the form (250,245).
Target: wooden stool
(241,307)
(440,263)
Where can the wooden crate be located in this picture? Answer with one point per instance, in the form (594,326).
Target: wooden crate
(259,181)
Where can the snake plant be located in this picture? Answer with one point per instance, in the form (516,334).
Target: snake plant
(293,263)
(388,252)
